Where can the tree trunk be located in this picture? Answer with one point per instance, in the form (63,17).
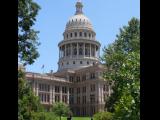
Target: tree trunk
(60,117)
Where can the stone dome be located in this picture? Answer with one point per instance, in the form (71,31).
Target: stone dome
(79,21)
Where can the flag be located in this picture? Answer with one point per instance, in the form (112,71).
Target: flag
(42,66)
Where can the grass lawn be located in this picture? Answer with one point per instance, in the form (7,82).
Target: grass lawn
(77,118)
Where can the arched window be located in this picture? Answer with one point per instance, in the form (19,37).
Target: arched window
(75,34)
(75,51)
(89,35)
(80,51)
(80,34)
(85,34)
(71,35)
(92,36)
(67,35)
(86,51)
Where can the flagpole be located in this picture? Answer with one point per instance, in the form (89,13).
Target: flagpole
(42,69)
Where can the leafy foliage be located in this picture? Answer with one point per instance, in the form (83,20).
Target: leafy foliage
(122,59)
(103,116)
(28,103)
(27,36)
(44,116)
(60,109)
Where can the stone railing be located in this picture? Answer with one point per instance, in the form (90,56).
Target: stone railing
(45,77)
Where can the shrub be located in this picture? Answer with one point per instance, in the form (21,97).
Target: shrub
(103,116)
(44,116)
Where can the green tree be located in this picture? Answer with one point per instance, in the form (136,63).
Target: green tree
(27,36)
(28,103)
(122,58)
(60,109)
(103,116)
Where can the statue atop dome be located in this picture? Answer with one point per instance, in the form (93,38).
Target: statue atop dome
(79,7)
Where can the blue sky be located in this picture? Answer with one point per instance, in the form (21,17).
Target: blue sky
(107,16)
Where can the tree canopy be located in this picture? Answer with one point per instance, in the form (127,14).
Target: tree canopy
(28,103)
(60,109)
(27,36)
(122,58)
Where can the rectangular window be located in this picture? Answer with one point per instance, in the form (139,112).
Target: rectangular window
(78,90)
(78,79)
(64,89)
(42,98)
(92,98)
(71,90)
(71,99)
(48,88)
(48,97)
(57,89)
(84,90)
(75,34)
(80,34)
(84,78)
(78,100)
(84,99)
(92,87)
(92,76)
(71,78)
(57,98)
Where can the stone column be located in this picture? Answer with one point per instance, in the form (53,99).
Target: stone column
(95,55)
(84,49)
(99,96)
(53,94)
(90,50)
(43,97)
(98,52)
(71,50)
(102,93)
(50,90)
(68,95)
(37,89)
(59,52)
(77,49)
(60,93)
(34,86)
(65,50)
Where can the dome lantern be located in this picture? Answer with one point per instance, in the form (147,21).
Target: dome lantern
(79,7)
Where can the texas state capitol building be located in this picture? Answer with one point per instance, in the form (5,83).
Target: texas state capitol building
(78,81)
